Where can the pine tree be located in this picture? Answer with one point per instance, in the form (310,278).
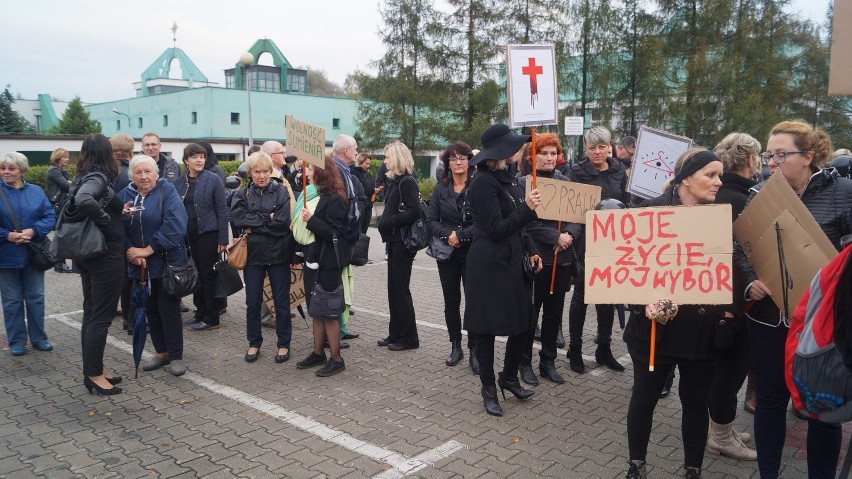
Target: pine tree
(10,120)
(76,121)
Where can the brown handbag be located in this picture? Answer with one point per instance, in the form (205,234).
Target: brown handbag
(238,253)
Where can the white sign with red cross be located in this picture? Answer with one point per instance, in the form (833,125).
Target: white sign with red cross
(531,85)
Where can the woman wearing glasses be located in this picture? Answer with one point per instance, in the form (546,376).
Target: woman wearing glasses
(449,220)
(799,152)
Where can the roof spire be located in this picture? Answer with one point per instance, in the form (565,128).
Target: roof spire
(174,34)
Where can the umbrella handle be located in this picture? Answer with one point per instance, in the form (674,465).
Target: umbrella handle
(142,275)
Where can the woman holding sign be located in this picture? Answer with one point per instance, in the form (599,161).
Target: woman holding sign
(799,152)
(553,240)
(497,292)
(685,336)
(598,169)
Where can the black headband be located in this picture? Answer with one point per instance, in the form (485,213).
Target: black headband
(693,164)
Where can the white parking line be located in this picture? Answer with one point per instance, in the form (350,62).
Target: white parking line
(400,465)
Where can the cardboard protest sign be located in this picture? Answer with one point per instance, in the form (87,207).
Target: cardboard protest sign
(641,255)
(306,141)
(840,68)
(805,246)
(297,289)
(531,85)
(565,200)
(654,161)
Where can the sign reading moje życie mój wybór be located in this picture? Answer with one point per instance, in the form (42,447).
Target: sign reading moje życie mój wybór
(641,255)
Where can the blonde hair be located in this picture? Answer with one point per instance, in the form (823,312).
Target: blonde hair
(736,151)
(57,155)
(258,159)
(399,159)
(806,138)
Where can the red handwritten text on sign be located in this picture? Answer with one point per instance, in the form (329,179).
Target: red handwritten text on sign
(641,255)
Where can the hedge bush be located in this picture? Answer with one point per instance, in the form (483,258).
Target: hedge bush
(35,174)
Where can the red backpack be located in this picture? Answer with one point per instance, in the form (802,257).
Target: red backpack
(818,357)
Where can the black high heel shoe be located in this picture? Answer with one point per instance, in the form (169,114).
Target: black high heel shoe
(104,392)
(115,380)
(514,387)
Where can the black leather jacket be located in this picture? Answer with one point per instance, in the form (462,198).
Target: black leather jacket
(828,197)
(544,233)
(450,212)
(267,212)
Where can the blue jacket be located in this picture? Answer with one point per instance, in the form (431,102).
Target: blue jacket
(210,207)
(161,228)
(33,211)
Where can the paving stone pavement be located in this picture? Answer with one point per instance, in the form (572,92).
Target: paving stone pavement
(390,414)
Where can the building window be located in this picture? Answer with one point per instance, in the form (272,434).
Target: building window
(194,117)
(140,121)
(235,118)
(165,120)
(118,125)
(335,123)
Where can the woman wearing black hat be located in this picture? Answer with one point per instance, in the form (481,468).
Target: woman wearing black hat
(685,336)
(498,291)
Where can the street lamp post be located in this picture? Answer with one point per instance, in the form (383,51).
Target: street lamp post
(247,60)
(124,115)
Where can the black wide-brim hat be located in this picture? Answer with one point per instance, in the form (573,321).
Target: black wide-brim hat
(499,143)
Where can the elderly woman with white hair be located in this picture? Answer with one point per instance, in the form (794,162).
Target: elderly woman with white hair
(155,227)
(20,284)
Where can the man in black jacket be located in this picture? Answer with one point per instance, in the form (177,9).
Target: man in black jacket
(169,168)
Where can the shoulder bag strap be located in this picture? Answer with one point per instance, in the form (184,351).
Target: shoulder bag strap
(334,245)
(14,218)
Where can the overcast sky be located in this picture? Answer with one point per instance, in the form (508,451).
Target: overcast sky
(97,49)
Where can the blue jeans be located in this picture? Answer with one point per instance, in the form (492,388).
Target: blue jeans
(20,287)
(279,279)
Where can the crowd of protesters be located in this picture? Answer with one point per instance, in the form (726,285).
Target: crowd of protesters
(489,245)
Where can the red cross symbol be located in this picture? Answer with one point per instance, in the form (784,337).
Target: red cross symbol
(533,71)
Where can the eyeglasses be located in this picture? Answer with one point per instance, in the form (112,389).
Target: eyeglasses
(150,145)
(779,157)
(458,159)
(279,153)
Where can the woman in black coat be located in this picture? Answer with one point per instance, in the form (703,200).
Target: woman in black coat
(799,152)
(553,244)
(58,185)
(600,170)
(740,155)
(327,222)
(685,341)
(262,211)
(360,170)
(449,221)
(402,208)
(498,291)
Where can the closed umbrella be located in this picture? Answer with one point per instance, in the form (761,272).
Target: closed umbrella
(140,328)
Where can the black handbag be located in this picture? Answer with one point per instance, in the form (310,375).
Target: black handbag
(360,253)
(439,249)
(77,236)
(40,257)
(180,281)
(414,236)
(226,280)
(578,268)
(327,304)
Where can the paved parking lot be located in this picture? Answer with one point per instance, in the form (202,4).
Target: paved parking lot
(390,414)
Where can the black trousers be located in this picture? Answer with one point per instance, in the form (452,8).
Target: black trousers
(452,274)
(693,388)
(279,281)
(402,327)
(731,371)
(203,248)
(577,318)
(102,280)
(770,417)
(164,324)
(551,307)
(485,356)
(366,217)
